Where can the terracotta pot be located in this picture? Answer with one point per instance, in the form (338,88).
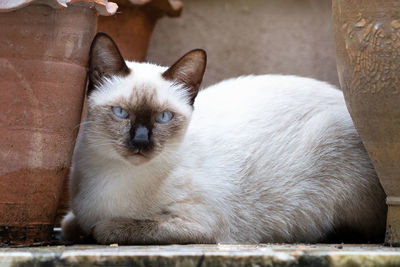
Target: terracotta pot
(131,29)
(43,58)
(367,34)
(132,26)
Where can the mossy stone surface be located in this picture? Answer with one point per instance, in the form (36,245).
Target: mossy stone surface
(271,255)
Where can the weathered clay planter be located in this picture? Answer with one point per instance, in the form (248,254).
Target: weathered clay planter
(367,34)
(43,58)
(132,26)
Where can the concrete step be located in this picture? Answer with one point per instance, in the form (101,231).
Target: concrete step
(203,255)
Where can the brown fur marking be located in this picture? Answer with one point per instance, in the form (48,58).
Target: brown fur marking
(188,70)
(105,60)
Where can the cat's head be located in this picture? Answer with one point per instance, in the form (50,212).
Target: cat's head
(137,110)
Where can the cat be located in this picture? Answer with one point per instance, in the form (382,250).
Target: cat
(268,158)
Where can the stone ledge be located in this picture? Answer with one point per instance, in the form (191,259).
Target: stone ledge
(203,255)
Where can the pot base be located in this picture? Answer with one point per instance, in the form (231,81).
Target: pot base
(17,235)
(392,236)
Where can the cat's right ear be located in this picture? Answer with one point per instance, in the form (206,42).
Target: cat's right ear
(189,71)
(105,60)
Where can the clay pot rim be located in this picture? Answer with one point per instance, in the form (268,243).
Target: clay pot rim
(172,8)
(103,7)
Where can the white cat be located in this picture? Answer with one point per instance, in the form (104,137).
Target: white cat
(267,158)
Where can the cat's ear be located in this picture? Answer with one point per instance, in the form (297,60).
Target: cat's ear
(105,60)
(189,71)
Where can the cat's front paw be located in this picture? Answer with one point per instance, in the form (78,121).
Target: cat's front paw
(72,231)
(108,232)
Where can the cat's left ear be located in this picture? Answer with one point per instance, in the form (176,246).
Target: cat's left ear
(105,60)
(189,71)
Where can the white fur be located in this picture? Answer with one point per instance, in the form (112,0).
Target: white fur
(266,158)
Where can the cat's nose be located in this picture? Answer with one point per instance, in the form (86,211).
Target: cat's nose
(141,137)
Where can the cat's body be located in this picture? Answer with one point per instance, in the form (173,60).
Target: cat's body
(263,159)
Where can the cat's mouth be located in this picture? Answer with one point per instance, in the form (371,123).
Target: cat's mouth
(139,153)
(137,157)
(136,152)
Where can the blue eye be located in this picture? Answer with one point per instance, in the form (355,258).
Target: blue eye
(120,112)
(164,117)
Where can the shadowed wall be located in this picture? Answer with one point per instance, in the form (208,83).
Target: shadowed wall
(251,37)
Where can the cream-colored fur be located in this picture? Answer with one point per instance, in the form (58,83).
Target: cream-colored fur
(267,158)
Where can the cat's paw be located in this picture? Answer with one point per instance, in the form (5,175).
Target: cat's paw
(72,232)
(109,232)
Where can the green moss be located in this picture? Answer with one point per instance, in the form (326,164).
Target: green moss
(135,261)
(380,259)
(313,261)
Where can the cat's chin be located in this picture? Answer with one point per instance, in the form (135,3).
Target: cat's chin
(138,159)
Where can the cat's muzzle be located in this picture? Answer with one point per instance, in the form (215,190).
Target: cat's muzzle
(140,140)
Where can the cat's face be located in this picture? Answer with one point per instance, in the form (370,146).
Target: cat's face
(138,110)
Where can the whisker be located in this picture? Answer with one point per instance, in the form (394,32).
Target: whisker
(82,124)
